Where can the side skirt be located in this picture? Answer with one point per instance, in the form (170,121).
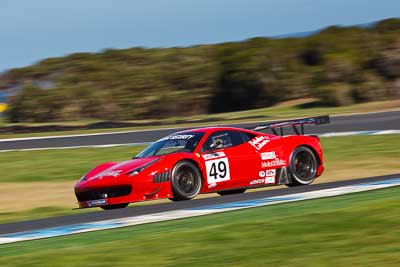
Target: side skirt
(282,178)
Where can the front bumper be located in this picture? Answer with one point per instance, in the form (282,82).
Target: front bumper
(101,196)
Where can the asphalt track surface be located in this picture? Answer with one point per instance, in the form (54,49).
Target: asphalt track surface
(172,206)
(363,122)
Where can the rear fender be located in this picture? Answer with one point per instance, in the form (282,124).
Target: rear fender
(312,142)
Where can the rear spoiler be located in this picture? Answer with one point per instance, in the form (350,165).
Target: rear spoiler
(273,126)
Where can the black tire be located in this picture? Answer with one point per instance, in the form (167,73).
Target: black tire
(231,192)
(303,166)
(186,181)
(115,206)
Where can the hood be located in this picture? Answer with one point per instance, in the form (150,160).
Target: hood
(117,169)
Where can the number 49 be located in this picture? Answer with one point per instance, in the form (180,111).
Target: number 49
(218,170)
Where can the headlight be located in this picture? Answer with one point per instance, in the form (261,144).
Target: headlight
(83,178)
(141,168)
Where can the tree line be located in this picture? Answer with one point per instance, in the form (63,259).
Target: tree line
(337,65)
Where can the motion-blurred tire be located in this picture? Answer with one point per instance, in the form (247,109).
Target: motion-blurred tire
(303,166)
(185,181)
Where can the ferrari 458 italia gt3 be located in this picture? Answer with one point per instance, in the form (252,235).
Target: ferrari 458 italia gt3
(225,160)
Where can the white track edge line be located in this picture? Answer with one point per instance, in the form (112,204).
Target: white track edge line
(325,135)
(170,128)
(194,212)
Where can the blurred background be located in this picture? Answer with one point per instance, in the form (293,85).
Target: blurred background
(185,59)
(149,68)
(80,67)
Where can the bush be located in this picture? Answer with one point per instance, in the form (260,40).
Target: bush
(387,25)
(373,88)
(336,94)
(389,63)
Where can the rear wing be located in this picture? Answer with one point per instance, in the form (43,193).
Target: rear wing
(273,126)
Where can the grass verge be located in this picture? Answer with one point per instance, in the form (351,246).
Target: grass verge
(46,178)
(359,152)
(290,109)
(358,229)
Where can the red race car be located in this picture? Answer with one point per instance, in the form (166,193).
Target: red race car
(225,160)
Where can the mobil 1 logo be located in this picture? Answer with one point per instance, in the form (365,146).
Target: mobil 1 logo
(217,170)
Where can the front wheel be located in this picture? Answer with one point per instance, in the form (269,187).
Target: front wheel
(115,206)
(185,181)
(303,166)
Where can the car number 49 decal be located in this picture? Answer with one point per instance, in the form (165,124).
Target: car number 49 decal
(217,170)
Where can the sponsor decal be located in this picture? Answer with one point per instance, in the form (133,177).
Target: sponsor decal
(273,163)
(259,142)
(178,137)
(212,185)
(268,155)
(95,203)
(257,181)
(106,173)
(270,180)
(270,176)
(217,170)
(213,155)
(270,172)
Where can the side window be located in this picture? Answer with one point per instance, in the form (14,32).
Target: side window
(246,136)
(224,139)
(217,140)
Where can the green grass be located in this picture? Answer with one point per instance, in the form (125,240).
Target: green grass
(376,150)
(70,164)
(58,164)
(353,230)
(263,114)
(345,158)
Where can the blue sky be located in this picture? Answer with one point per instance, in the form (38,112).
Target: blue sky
(33,30)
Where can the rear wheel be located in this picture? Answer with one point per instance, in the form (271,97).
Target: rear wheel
(303,166)
(186,181)
(115,206)
(231,192)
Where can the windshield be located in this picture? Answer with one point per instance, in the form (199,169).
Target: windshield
(185,142)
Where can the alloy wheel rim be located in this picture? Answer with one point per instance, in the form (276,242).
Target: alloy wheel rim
(304,166)
(187,181)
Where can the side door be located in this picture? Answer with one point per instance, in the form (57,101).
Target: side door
(229,160)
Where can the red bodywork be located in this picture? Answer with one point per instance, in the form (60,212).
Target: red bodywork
(113,182)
